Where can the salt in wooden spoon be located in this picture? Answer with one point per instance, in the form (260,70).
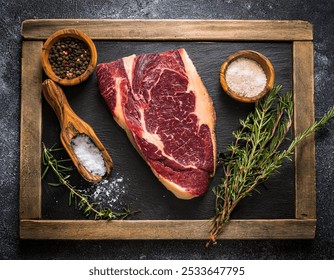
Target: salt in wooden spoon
(71,126)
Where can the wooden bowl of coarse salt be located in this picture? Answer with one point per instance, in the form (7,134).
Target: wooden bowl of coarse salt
(247,76)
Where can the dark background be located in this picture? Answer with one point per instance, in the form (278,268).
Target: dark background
(319,13)
(140,189)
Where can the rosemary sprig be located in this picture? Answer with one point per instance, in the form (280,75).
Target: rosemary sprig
(82,200)
(255,153)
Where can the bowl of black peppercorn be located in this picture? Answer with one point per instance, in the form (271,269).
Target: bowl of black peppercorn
(69,57)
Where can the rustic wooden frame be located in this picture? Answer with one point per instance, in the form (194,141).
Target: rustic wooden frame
(300,33)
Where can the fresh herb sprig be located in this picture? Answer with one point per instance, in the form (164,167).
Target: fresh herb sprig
(62,173)
(255,153)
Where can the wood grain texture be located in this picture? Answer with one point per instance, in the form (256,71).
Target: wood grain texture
(263,61)
(138,230)
(303,88)
(33,226)
(71,126)
(31,130)
(170,29)
(61,34)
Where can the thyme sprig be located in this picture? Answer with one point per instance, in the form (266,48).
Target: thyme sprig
(255,153)
(82,200)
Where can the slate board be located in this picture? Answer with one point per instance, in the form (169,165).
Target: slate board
(141,188)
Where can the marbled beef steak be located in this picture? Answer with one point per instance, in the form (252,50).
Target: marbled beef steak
(160,101)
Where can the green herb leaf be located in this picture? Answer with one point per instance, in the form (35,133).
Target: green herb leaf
(255,153)
(61,172)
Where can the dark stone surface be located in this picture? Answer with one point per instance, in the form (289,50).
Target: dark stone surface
(140,189)
(319,13)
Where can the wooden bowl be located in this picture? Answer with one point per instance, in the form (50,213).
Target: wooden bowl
(262,61)
(77,34)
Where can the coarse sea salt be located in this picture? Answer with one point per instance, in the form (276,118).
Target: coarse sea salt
(108,192)
(245,77)
(88,155)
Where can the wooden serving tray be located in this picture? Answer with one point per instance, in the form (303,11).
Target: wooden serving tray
(35,224)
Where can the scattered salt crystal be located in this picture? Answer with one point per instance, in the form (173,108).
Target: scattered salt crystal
(107,193)
(245,77)
(88,154)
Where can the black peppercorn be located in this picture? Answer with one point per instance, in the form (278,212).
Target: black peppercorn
(69,58)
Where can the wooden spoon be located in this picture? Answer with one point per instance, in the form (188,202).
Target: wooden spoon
(71,126)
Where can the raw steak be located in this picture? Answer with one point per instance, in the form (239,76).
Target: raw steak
(162,104)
